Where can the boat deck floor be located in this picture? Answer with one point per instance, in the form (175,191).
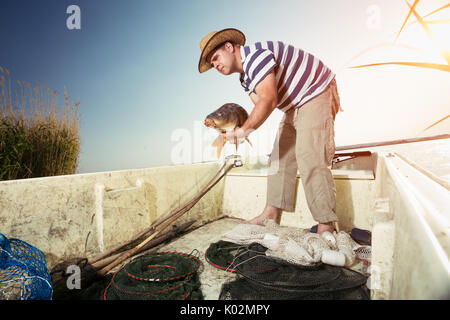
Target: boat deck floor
(200,239)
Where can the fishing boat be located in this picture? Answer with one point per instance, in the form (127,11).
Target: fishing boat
(405,206)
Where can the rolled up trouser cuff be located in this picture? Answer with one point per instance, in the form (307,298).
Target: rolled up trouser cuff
(326,218)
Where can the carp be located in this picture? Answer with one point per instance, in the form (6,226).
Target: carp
(225,119)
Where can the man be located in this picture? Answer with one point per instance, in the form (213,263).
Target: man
(278,75)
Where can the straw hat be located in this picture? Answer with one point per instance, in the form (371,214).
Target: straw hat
(213,39)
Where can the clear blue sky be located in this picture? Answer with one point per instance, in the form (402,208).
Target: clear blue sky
(133,66)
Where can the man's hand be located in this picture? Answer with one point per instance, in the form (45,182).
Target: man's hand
(236,135)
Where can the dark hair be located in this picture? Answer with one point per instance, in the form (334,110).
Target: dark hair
(221,45)
(217,48)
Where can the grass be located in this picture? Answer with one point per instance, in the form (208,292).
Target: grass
(38,137)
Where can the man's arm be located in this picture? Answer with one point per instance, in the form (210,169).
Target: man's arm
(254,97)
(265,101)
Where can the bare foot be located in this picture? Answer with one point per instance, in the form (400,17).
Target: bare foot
(323,227)
(269,212)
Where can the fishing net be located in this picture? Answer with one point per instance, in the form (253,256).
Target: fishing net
(157,276)
(274,262)
(260,277)
(298,246)
(242,289)
(23,271)
(221,254)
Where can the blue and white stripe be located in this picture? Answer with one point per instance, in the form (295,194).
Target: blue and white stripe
(300,76)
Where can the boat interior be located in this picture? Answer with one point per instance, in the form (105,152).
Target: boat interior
(84,215)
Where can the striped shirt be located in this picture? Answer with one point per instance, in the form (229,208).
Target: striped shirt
(300,76)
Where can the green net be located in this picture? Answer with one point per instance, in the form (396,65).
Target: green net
(222,253)
(243,289)
(157,276)
(260,277)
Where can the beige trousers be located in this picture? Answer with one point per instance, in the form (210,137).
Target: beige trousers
(305,141)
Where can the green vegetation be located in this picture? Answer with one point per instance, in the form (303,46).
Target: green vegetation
(38,137)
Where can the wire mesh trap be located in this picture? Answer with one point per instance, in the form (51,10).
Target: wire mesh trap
(222,253)
(157,276)
(260,277)
(23,271)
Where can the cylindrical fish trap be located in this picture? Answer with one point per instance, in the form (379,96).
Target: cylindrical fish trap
(157,276)
(222,253)
(260,277)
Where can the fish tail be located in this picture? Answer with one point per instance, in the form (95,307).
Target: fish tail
(246,138)
(219,143)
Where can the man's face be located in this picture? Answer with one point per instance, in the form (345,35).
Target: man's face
(223,59)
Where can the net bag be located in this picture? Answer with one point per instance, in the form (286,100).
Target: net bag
(299,246)
(260,277)
(242,289)
(222,253)
(23,271)
(157,276)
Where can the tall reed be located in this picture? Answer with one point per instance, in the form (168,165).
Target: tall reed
(38,137)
